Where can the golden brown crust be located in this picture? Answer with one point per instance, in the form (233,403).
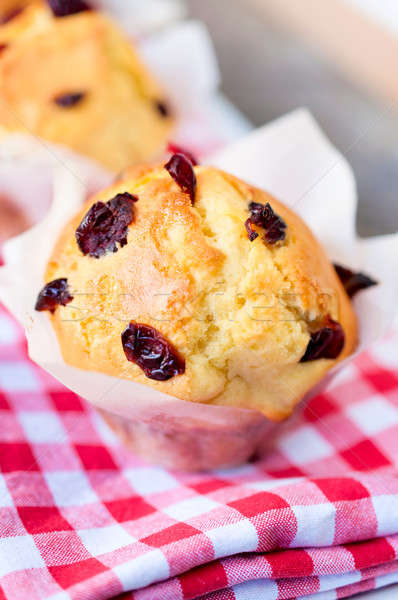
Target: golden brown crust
(239,312)
(117,122)
(10,9)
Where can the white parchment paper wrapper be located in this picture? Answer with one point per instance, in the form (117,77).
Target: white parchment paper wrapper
(293,160)
(142,17)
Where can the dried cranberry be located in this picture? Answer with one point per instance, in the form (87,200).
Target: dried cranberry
(3,47)
(69,100)
(263,216)
(181,170)
(250,231)
(149,349)
(162,108)
(353,282)
(63,8)
(11,14)
(327,342)
(105,225)
(174,149)
(53,294)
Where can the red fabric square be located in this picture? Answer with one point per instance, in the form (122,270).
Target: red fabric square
(258,504)
(95,457)
(10,523)
(353,589)
(290,563)
(209,485)
(383,381)
(66,401)
(300,588)
(42,519)
(203,579)
(3,402)
(342,488)
(288,472)
(174,533)
(17,457)
(371,553)
(29,488)
(319,407)
(68,575)
(365,456)
(128,509)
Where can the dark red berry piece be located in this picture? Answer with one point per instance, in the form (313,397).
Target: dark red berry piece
(11,14)
(353,282)
(162,108)
(174,149)
(106,225)
(263,216)
(69,100)
(54,294)
(181,170)
(3,47)
(327,342)
(149,349)
(64,8)
(252,235)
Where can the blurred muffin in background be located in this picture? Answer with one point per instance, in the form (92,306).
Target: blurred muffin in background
(10,9)
(68,75)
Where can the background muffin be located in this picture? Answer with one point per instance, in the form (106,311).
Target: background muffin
(183,262)
(11,9)
(74,79)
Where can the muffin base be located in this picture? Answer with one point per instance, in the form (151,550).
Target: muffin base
(188,445)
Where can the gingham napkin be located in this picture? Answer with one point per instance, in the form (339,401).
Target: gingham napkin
(82,518)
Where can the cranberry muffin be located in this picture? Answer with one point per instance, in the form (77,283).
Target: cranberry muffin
(68,75)
(10,9)
(186,279)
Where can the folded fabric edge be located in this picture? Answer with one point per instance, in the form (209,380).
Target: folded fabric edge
(302,573)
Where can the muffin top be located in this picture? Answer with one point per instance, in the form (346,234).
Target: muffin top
(10,9)
(72,78)
(186,279)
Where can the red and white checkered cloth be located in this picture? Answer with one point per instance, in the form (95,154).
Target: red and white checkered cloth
(81,518)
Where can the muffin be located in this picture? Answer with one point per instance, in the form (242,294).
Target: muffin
(68,75)
(186,279)
(11,9)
